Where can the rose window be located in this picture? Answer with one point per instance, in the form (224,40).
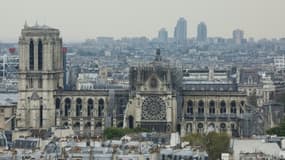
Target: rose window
(153,108)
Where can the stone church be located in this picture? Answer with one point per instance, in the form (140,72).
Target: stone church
(157,99)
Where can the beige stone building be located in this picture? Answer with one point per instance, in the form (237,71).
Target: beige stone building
(8,106)
(152,102)
(40,76)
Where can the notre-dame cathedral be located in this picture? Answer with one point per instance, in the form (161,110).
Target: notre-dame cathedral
(157,99)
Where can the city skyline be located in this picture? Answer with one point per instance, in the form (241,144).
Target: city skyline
(79,21)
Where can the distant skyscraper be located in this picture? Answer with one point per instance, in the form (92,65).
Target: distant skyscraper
(202,32)
(162,35)
(238,36)
(180,31)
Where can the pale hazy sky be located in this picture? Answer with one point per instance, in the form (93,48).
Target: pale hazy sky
(81,19)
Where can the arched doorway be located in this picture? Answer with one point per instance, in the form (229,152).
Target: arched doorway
(189,128)
(131,121)
(200,128)
(211,127)
(178,128)
(223,127)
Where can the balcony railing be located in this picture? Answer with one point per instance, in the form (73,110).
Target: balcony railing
(200,116)
(223,116)
(211,116)
(233,115)
(188,116)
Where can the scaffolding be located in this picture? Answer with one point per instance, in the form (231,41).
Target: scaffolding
(9,65)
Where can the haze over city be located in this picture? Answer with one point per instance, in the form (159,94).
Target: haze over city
(142,80)
(79,20)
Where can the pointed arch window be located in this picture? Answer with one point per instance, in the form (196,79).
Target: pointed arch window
(201,107)
(233,107)
(90,107)
(41,116)
(40,55)
(67,106)
(190,107)
(78,107)
(57,103)
(212,107)
(223,108)
(101,108)
(31,55)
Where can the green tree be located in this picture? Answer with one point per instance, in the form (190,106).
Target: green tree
(114,133)
(279,130)
(214,143)
(217,143)
(273,131)
(117,133)
(196,140)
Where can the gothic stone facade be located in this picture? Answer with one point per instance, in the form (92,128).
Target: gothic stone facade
(156,98)
(40,76)
(152,102)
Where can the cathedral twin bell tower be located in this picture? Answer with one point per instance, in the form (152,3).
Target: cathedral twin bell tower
(40,76)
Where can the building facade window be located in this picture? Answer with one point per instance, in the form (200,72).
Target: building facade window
(78,107)
(201,107)
(101,108)
(57,103)
(40,55)
(190,107)
(67,106)
(212,107)
(90,107)
(233,107)
(41,116)
(223,108)
(31,55)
